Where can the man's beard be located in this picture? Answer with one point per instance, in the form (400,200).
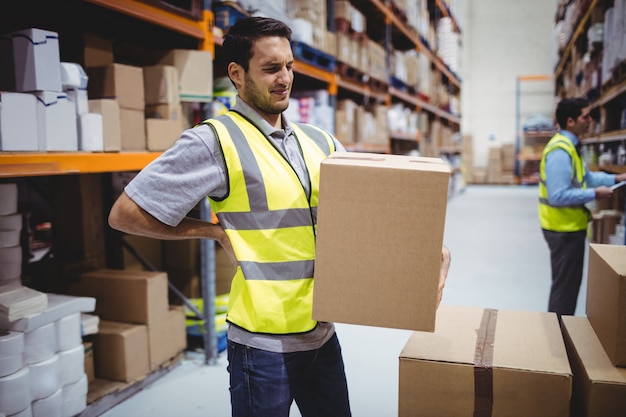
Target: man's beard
(261,102)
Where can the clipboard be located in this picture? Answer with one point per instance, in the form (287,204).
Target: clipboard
(616,186)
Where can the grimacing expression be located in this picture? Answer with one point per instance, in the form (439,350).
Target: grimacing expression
(268,81)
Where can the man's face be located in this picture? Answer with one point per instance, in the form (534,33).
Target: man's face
(268,81)
(580,125)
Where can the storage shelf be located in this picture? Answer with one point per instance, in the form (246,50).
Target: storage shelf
(580,27)
(606,137)
(611,93)
(23,164)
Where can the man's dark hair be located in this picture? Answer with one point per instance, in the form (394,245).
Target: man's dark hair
(241,36)
(569,107)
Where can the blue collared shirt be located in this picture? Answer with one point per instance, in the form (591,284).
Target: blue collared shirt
(559,178)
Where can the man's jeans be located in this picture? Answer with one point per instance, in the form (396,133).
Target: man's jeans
(264,384)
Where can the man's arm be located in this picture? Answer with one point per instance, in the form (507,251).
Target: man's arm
(127,216)
(443,272)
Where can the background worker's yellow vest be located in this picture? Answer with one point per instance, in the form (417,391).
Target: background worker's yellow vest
(270,222)
(562,219)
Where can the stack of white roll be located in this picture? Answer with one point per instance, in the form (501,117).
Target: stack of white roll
(10,229)
(42,370)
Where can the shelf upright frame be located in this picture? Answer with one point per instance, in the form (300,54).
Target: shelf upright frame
(518,95)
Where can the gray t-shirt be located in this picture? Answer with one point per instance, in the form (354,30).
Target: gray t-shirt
(193,168)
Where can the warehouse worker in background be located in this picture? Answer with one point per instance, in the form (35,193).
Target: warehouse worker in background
(566,185)
(261,175)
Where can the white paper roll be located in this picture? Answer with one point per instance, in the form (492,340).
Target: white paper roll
(45,377)
(11,254)
(11,343)
(40,344)
(9,238)
(11,222)
(75,397)
(50,406)
(10,364)
(72,364)
(11,349)
(8,199)
(68,332)
(15,392)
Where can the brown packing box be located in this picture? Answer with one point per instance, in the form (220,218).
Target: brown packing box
(167,337)
(161,133)
(527,366)
(119,81)
(195,73)
(599,387)
(161,84)
(121,351)
(89,366)
(606,298)
(111,129)
(133,130)
(379,236)
(126,296)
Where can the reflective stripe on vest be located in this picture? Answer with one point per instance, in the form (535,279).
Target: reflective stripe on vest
(560,218)
(271,223)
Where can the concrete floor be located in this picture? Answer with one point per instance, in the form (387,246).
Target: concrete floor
(499,260)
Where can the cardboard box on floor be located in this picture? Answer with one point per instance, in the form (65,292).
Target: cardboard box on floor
(121,351)
(503,363)
(380,230)
(606,298)
(599,387)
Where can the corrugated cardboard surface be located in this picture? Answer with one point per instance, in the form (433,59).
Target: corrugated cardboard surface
(379,237)
(121,351)
(167,337)
(531,375)
(606,298)
(599,387)
(126,296)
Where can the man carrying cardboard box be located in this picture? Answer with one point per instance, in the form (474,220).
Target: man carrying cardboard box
(261,175)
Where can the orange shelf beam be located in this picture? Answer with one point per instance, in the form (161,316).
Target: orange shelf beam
(22,164)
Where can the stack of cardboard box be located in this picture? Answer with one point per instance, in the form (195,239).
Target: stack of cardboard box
(597,343)
(138,330)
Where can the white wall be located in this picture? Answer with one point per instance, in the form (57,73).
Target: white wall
(502,40)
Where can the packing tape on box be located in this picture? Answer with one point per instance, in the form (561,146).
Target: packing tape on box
(72,363)
(8,199)
(45,377)
(75,397)
(40,344)
(51,406)
(15,392)
(68,332)
(483,364)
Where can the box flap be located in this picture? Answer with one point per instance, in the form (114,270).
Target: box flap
(588,347)
(614,255)
(387,161)
(522,340)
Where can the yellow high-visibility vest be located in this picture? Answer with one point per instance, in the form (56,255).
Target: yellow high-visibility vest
(559,218)
(271,224)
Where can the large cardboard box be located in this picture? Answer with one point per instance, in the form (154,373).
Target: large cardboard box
(167,337)
(126,296)
(380,230)
(18,122)
(56,122)
(161,84)
(161,134)
(606,298)
(133,130)
(121,351)
(486,362)
(599,387)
